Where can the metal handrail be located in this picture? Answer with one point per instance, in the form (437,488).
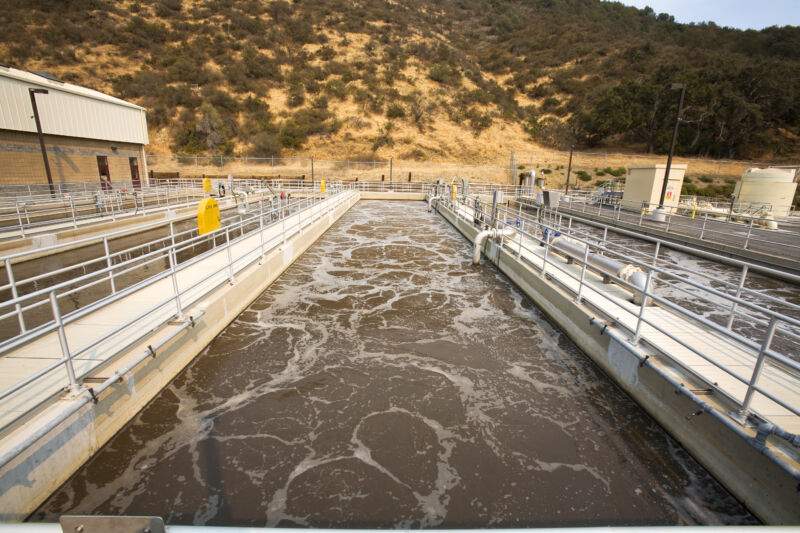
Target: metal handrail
(674,218)
(312,205)
(763,351)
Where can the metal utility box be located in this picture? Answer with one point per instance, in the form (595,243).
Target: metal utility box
(643,184)
(551,198)
(773,186)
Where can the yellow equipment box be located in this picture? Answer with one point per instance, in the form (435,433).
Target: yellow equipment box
(207,216)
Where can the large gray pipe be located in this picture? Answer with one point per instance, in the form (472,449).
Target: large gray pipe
(629,273)
(493,233)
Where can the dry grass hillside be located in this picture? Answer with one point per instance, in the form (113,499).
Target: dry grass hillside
(458,80)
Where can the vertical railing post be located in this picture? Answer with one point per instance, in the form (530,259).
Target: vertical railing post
(231,279)
(637,332)
(583,274)
(72,210)
(176,291)
(15,295)
(19,218)
(738,295)
(261,227)
(108,264)
(749,231)
(655,254)
(748,397)
(703,229)
(546,250)
(62,339)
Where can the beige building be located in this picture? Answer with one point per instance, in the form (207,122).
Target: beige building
(644,184)
(89,136)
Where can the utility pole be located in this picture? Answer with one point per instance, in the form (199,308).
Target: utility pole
(33,93)
(569,167)
(658,214)
(513,169)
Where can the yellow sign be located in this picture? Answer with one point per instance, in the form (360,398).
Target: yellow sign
(322,186)
(207,216)
(206,184)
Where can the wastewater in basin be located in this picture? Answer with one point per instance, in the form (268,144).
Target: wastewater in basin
(384,381)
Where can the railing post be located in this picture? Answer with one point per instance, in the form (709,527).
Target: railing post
(546,250)
(72,210)
(635,339)
(173,272)
(748,397)
(655,254)
(703,229)
(108,264)
(74,388)
(738,294)
(583,274)
(18,307)
(231,279)
(261,228)
(749,231)
(19,217)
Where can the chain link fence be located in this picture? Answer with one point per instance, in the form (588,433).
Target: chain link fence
(587,168)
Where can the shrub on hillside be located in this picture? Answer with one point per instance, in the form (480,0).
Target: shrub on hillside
(395,111)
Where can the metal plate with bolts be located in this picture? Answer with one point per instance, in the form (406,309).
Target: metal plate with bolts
(112,524)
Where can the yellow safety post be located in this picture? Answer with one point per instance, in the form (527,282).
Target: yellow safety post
(207,216)
(455,189)
(206,184)
(694,208)
(322,186)
(644,209)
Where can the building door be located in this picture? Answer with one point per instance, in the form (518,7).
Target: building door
(105,175)
(137,183)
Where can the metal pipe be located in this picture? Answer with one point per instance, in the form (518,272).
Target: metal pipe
(493,233)
(629,273)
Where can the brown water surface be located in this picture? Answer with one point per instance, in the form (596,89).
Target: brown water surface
(383,381)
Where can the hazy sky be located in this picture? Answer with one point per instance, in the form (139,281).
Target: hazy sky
(742,14)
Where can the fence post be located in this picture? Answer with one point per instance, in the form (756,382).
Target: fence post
(62,339)
(172,267)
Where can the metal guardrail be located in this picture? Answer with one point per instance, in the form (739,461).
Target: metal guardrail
(117,266)
(718,226)
(537,230)
(23,215)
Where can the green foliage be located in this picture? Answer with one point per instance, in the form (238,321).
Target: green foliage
(706,179)
(395,111)
(616,172)
(444,74)
(546,171)
(583,175)
(710,191)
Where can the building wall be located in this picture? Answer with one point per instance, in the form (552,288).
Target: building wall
(68,110)
(71,159)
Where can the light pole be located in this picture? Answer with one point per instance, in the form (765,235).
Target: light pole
(658,214)
(33,93)
(569,165)
(569,168)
